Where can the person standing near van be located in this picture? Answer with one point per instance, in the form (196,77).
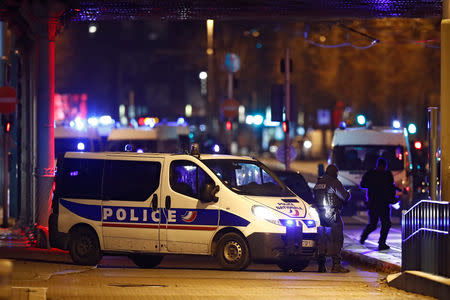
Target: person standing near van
(330,197)
(381,192)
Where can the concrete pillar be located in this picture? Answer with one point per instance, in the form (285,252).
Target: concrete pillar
(445,102)
(45,119)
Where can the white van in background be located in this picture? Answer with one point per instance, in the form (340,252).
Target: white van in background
(69,139)
(165,138)
(356,150)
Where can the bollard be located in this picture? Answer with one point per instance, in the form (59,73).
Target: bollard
(6,267)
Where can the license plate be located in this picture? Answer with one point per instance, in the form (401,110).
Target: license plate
(307,243)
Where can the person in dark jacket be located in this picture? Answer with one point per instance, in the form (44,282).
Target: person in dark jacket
(379,183)
(330,197)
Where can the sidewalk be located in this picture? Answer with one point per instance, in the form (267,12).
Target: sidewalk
(388,261)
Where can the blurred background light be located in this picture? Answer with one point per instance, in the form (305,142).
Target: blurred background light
(361,119)
(258,120)
(93,121)
(418,145)
(412,129)
(92,28)
(106,120)
(396,124)
(307,144)
(203,75)
(81,146)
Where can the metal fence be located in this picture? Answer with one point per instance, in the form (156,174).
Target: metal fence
(425,238)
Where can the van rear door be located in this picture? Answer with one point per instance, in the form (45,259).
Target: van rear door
(131,193)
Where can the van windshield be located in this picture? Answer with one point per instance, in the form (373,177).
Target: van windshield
(357,157)
(248,177)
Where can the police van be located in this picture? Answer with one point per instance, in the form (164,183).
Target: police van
(147,205)
(356,150)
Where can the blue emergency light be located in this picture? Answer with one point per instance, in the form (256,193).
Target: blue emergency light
(81,146)
(309,223)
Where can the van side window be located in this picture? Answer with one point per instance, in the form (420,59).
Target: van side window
(81,178)
(187,178)
(130,180)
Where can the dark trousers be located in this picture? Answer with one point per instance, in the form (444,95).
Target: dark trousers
(331,241)
(384,215)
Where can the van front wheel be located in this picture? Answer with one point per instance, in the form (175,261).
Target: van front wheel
(146,261)
(84,247)
(232,252)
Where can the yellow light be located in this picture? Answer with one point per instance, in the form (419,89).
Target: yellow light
(188,110)
(323,38)
(255,33)
(209,51)
(210,26)
(210,32)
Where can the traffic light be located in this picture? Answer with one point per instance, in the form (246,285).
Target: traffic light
(285,126)
(229,125)
(418,145)
(6,124)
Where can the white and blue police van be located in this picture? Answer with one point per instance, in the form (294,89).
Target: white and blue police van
(147,205)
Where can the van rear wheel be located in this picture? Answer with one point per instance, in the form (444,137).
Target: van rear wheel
(232,252)
(146,261)
(294,265)
(84,247)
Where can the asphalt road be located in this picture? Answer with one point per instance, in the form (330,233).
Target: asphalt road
(49,274)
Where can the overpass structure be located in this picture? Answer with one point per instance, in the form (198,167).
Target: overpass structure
(28,64)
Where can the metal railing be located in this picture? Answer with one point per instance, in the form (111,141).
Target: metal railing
(425,237)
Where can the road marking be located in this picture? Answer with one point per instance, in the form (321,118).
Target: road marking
(29,292)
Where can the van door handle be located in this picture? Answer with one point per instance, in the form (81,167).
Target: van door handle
(168,202)
(155,202)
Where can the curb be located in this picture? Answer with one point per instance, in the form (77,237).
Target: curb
(378,265)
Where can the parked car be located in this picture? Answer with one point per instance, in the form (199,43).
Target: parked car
(297,183)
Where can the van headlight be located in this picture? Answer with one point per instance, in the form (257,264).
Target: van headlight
(314,214)
(262,212)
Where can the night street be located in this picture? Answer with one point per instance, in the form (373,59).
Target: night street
(186,277)
(224,149)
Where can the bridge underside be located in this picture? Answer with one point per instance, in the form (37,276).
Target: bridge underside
(96,10)
(252,9)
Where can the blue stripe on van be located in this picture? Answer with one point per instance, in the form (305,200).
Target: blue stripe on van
(88,211)
(145,215)
(229,219)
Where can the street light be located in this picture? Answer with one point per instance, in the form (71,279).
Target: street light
(210,31)
(92,28)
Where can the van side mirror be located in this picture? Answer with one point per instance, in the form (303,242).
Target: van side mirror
(208,193)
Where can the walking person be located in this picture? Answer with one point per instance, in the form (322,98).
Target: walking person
(381,192)
(330,197)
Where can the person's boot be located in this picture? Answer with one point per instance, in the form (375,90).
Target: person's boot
(383,246)
(363,238)
(338,268)
(322,267)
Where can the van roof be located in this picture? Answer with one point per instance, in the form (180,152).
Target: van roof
(369,136)
(103,155)
(69,132)
(144,133)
